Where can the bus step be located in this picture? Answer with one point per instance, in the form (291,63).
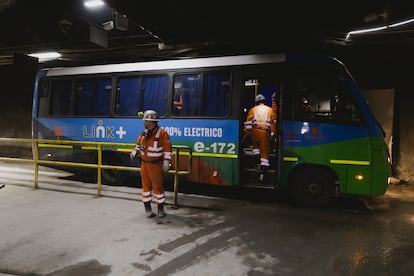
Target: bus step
(257,171)
(260,186)
(248,152)
(259,178)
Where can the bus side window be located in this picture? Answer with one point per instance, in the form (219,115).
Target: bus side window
(303,105)
(128,96)
(190,93)
(216,94)
(154,93)
(60,97)
(342,104)
(203,94)
(93,97)
(177,100)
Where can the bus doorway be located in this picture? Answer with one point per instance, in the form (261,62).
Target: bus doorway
(253,174)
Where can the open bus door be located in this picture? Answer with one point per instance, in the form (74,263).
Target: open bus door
(252,174)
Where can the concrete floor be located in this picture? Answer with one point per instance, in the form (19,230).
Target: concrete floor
(62,228)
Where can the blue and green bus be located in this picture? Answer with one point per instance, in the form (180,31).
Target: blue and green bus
(327,143)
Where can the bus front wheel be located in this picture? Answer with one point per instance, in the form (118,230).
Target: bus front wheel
(313,186)
(113,177)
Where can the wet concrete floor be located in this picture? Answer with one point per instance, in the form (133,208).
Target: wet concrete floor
(63,228)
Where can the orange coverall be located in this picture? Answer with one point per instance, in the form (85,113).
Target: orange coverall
(153,146)
(261,122)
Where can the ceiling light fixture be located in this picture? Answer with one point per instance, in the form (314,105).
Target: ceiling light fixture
(370,30)
(46,56)
(93,3)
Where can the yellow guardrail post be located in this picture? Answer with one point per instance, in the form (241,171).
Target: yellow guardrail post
(99,179)
(176,178)
(177,172)
(36,164)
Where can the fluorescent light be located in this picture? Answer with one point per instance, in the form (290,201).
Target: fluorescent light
(365,31)
(401,23)
(93,3)
(379,28)
(46,56)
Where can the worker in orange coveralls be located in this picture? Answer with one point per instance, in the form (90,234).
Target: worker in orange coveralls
(261,124)
(155,150)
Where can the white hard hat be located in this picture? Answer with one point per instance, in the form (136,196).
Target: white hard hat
(151,115)
(259,98)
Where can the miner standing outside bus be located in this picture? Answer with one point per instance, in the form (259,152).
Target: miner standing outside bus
(261,124)
(155,150)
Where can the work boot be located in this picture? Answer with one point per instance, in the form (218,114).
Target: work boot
(161,212)
(148,210)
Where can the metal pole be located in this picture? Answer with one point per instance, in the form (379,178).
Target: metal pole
(176,178)
(99,170)
(36,164)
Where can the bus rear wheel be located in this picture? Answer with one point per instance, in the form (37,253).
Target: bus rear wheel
(313,186)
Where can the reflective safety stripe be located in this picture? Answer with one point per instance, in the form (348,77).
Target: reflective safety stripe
(289,158)
(332,161)
(155,151)
(248,125)
(159,198)
(350,162)
(167,155)
(146,196)
(261,118)
(264,162)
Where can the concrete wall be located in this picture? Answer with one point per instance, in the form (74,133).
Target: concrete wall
(405,130)
(16,91)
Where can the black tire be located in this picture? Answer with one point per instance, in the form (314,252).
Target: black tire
(313,186)
(113,177)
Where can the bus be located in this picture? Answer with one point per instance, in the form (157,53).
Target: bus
(328,142)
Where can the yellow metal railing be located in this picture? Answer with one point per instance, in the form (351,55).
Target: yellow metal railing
(98,146)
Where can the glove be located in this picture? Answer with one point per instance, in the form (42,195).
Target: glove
(165,166)
(132,154)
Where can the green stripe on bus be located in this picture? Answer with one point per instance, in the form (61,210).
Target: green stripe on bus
(215,155)
(349,162)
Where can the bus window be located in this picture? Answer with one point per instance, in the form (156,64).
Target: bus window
(202,94)
(190,93)
(342,104)
(177,100)
(128,96)
(93,97)
(323,96)
(216,95)
(138,93)
(43,93)
(155,90)
(60,97)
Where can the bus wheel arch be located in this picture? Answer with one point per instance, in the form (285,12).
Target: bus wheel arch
(313,185)
(113,177)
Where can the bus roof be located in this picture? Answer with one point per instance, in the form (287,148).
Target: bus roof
(168,64)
